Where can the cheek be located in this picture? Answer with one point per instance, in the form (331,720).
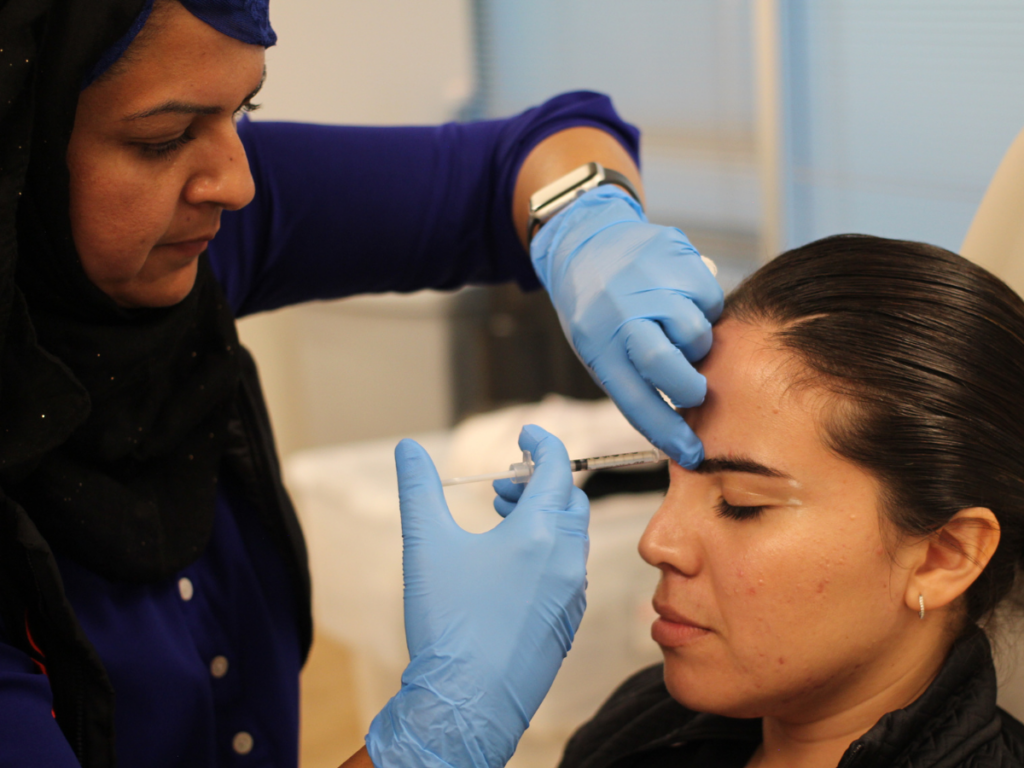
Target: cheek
(796,610)
(117,215)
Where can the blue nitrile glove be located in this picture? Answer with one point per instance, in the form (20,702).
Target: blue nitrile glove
(637,303)
(488,617)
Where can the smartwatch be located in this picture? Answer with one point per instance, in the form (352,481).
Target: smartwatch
(549,200)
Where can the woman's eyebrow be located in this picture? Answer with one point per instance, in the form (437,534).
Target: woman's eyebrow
(187,108)
(174,107)
(741,464)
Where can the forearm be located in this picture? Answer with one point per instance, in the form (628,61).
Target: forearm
(342,209)
(560,153)
(360,759)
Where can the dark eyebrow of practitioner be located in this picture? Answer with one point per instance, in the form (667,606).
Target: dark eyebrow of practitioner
(749,466)
(186,108)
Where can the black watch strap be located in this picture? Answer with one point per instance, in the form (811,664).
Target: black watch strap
(614,177)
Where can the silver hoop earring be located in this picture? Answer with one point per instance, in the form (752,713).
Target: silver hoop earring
(920,602)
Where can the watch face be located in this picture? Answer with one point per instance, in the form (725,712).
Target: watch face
(560,188)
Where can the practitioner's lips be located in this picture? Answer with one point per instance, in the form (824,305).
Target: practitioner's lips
(672,629)
(191,247)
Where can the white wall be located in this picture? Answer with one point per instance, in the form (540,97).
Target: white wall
(372,366)
(681,71)
(352,61)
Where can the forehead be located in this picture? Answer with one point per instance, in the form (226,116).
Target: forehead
(182,57)
(756,404)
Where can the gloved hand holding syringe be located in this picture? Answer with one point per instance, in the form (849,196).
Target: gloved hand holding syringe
(520,472)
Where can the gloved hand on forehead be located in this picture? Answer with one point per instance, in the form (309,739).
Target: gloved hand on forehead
(488,617)
(637,303)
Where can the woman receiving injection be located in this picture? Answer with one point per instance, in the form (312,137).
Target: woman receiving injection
(828,573)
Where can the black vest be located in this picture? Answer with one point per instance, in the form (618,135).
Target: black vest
(954,724)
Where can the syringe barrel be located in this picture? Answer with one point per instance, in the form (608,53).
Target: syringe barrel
(524,469)
(616,460)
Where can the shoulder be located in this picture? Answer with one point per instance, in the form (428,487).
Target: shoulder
(983,743)
(638,714)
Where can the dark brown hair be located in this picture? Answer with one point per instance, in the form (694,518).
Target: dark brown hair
(926,353)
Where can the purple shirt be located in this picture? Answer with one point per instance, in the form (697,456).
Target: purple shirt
(205,665)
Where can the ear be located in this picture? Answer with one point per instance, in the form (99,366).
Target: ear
(951,559)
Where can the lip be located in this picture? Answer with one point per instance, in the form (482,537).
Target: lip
(188,249)
(202,237)
(673,630)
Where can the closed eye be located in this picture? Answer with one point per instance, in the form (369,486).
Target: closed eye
(725,509)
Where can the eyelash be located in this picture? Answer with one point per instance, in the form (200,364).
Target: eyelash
(165,148)
(725,509)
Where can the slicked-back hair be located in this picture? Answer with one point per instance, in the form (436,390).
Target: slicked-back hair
(924,352)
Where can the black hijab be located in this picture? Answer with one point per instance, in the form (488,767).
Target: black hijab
(113,422)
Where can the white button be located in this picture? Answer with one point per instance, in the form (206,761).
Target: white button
(219,666)
(185,588)
(242,743)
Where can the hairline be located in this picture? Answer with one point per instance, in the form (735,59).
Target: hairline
(154,23)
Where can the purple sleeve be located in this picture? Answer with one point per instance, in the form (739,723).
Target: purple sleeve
(345,210)
(28,733)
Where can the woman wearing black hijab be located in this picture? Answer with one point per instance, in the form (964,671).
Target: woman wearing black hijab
(154,596)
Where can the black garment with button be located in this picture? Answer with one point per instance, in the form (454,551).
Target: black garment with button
(954,724)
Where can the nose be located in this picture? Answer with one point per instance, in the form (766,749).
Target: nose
(222,177)
(672,537)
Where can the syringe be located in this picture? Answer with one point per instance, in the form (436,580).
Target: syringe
(521,472)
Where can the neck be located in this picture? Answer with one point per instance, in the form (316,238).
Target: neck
(800,740)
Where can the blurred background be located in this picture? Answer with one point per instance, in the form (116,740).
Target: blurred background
(766,124)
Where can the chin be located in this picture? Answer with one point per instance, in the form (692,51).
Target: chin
(165,292)
(699,688)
